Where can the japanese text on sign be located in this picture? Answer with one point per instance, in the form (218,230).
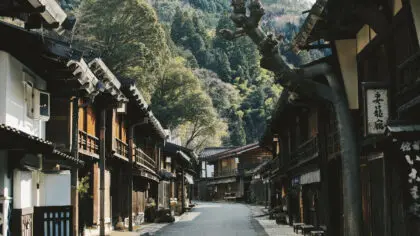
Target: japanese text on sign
(377,110)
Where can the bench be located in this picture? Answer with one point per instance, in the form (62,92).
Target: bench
(317,233)
(307,229)
(296,226)
(230,196)
(281,217)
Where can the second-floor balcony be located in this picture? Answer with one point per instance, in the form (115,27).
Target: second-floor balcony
(306,150)
(142,159)
(408,81)
(121,148)
(88,144)
(225,173)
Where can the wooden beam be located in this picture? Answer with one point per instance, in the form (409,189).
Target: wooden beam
(315,46)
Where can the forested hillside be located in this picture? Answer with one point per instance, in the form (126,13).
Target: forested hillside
(207,90)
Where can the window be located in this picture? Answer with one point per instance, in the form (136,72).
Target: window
(37,102)
(29,98)
(44,104)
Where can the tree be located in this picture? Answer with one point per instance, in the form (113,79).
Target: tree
(224,96)
(182,105)
(128,35)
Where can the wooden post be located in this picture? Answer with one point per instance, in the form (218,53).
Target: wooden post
(130,178)
(75,171)
(183,191)
(102,173)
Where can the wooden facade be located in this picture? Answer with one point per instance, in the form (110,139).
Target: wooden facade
(367,53)
(232,171)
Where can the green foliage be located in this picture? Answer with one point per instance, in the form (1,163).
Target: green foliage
(208,90)
(180,102)
(83,187)
(128,35)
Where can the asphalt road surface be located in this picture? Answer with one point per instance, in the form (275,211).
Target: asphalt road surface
(215,219)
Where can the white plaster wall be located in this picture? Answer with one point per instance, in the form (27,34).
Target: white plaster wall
(347,51)
(55,189)
(5,191)
(3,72)
(22,189)
(12,105)
(415,9)
(5,181)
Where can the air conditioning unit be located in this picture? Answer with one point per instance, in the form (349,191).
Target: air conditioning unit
(37,102)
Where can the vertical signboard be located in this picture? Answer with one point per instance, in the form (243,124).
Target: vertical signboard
(376,108)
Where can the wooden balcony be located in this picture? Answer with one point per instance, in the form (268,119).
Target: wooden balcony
(226,173)
(408,83)
(333,144)
(306,150)
(142,159)
(88,144)
(121,148)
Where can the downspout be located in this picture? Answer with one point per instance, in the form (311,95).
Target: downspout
(75,170)
(299,81)
(102,158)
(130,170)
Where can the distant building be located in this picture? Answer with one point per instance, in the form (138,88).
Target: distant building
(227,171)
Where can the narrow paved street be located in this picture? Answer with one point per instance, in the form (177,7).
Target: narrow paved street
(222,219)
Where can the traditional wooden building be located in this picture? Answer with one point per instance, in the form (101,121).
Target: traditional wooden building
(143,136)
(181,162)
(374,50)
(37,14)
(233,170)
(39,176)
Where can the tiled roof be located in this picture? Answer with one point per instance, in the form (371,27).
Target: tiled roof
(12,133)
(231,151)
(213,151)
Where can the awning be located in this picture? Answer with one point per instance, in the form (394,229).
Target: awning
(143,173)
(310,177)
(402,128)
(166,175)
(183,155)
(222,181)
(12,138)
(189,178)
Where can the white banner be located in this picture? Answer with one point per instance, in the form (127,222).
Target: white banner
(311,177)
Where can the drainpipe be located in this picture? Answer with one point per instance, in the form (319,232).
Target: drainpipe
(102,158)
(75,170)
(299,81)
(130,170)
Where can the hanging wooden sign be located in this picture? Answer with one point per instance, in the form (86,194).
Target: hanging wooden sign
(376,108)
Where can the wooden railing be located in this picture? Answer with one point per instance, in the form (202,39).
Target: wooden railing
(224,173)
(88,143)
(307,149)
(143,159)
(408,79)
(333,143)
(53,221)
(121,148)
